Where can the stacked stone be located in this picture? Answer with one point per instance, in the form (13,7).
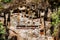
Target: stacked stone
(30,14)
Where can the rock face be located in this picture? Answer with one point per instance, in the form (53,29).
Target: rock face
(27,22)
(27,34)
(24,21)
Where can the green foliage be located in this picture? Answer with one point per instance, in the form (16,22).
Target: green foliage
(6,1)
(55,21)
(2,29)
(1,6)
(2,32)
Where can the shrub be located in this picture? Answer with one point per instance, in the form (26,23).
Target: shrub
(2,32)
